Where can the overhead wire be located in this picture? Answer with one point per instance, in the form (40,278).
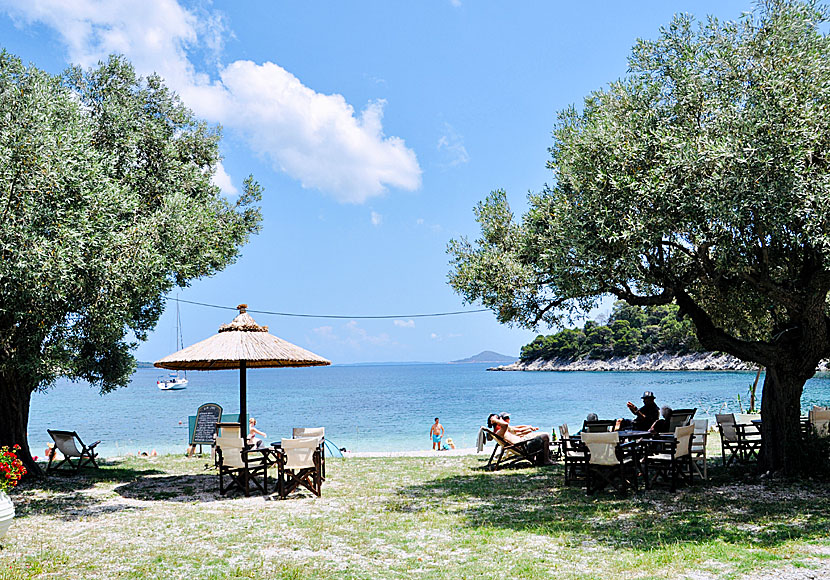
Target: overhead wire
(334,316)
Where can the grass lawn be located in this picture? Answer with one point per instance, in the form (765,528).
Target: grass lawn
(409,517)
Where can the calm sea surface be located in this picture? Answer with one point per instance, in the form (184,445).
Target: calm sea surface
(376,408)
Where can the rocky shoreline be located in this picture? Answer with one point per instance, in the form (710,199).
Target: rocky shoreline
(705,361)
(658,361)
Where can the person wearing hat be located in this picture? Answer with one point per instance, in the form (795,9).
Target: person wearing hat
(645,415)
(537,445)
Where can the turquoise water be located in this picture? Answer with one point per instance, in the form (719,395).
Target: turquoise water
(376,408)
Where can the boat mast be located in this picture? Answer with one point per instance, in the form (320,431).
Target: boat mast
(179,329)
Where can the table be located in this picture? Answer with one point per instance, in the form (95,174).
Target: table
(624,434)
(631,434)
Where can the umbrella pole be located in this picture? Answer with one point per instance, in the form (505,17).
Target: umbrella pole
(243,385)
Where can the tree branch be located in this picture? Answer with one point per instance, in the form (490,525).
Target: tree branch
(714,338)
(627,294)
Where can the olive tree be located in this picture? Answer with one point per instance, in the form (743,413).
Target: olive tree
(702,178)
(106,204)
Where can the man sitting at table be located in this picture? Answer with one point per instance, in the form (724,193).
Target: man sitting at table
(536,445)
(661,425)
(645,415)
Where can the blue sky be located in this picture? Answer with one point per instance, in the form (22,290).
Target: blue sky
(374,127)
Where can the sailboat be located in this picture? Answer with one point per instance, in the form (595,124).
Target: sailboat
(173,382)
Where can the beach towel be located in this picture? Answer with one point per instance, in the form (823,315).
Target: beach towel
(481,440)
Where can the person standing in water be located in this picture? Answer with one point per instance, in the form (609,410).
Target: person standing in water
(437,433)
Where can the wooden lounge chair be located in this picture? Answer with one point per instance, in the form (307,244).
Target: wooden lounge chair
(609,462)
(244,467)
(698,448)
(680,418)
(505,453)
(65,443)
(314,432)
(669,459)
(299,463)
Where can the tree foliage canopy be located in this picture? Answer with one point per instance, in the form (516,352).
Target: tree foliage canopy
(704,174)
(106,204)
(702,178)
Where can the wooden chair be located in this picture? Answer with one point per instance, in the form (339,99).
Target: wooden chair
(65,443)
(609,462)
(728,438)
(600,426)
(680,418)
(299,462)
(575,458)
(314,432)
(669,459)
(244,467)
(505,453)
(698,448)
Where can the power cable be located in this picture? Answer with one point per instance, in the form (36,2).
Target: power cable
(338,316)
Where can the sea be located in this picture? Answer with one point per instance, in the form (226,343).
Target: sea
(366,408)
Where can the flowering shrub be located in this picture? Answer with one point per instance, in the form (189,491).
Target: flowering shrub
(11,468)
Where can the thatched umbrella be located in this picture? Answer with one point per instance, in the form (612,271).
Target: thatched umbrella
(239,345)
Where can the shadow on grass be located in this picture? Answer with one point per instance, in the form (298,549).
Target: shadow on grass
(64,494)
(726,509)
(203,487)
(86,478)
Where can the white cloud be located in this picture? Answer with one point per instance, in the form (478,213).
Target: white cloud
(223,181)
(325,332)
(405,323)
(456,3)
(359,336)
(439,337)
(353,335)
(436,228)
(315,138)
(451,144)
(377,219)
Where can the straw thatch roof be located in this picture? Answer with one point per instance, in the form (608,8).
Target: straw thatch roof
(241,340)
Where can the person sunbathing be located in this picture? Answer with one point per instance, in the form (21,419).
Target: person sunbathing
(536,445)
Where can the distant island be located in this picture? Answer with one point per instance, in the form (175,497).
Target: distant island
(487,356)
(633,338)
(142,364)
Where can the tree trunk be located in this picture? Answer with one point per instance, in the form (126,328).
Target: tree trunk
(781,414)
(15,397)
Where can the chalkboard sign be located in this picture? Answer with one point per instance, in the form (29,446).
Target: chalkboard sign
(204,428)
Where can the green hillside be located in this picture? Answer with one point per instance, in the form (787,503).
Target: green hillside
(630,330)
